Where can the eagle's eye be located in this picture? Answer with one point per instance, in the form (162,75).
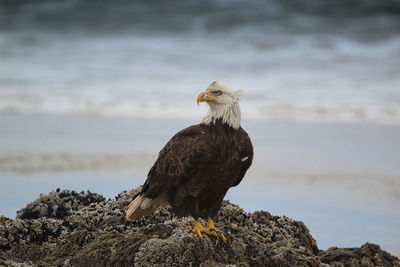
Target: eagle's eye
(217,93)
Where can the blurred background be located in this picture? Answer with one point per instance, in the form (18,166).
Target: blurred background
(90,91)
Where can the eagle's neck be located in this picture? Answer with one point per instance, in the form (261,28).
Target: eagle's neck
(228,113)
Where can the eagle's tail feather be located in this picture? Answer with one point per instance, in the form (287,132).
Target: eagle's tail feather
(140,207)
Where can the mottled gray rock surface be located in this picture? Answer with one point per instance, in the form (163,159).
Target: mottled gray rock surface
(66,228)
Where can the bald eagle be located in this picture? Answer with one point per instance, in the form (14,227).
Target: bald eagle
(199,164)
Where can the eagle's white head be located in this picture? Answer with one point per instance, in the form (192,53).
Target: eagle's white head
(224,104)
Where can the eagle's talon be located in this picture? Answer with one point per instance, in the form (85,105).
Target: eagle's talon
(208,230)
(223,238)
(214,231)
(220,234)
(197,229)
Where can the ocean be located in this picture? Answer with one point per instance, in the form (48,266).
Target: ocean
(329,61)
(90,91)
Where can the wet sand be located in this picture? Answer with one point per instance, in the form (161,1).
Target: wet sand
(342,180)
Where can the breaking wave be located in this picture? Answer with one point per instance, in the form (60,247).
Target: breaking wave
(320,61)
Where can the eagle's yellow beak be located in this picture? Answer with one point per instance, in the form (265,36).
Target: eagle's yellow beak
(205,96)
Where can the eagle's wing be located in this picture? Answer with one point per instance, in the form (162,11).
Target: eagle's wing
(186,153)
(247,153)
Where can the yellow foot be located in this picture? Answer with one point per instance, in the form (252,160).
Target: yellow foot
(208,230)
(197,229)
(211,230)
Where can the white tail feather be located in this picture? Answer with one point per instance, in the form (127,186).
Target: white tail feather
(135,210)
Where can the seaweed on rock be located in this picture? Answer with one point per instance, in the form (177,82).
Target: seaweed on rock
(66,228)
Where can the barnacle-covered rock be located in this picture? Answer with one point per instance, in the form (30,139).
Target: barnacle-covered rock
(66,228)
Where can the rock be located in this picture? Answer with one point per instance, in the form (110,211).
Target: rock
(367,255)
(58,204)
(66,228)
